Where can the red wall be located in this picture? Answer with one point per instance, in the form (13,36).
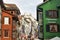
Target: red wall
(8,27)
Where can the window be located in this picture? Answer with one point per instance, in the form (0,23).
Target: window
(41,28)
(14,23)
(40,22)
(6,20)
(40,15)
(52,28)
(52,14)
(5,33)
(11,11)
(14,35)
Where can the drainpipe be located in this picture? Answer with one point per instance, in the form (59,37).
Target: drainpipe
(0,17)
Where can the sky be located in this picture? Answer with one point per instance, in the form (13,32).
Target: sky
(26,6)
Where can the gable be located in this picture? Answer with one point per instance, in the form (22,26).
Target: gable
(50,4)
(6,14)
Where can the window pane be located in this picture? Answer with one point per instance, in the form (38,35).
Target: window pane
(6,33)
(6,20)
(40,17)
(47,28)
(55,14)
(52,28)
(14,34)
(52,14)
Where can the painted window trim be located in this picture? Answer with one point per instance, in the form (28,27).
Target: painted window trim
(48,29)
(4,34)
(4,20)
(52,17)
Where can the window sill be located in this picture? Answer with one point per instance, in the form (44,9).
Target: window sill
(6,37)
(50,19)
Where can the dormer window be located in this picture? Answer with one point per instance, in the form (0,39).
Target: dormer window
(11,12)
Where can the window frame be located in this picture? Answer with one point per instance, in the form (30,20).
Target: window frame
(40,14)
(48,28)
(5,34)
(52,11)
(4,20)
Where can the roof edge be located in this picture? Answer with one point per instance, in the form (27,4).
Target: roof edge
(43,3)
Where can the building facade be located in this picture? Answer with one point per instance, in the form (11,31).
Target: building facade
(50,18)
(8,17)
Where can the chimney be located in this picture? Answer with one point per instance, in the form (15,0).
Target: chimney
(45,0)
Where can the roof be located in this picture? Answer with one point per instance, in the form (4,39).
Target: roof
(11,7)
(43,3)
(8,6)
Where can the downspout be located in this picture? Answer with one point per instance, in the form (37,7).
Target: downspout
(0,22)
